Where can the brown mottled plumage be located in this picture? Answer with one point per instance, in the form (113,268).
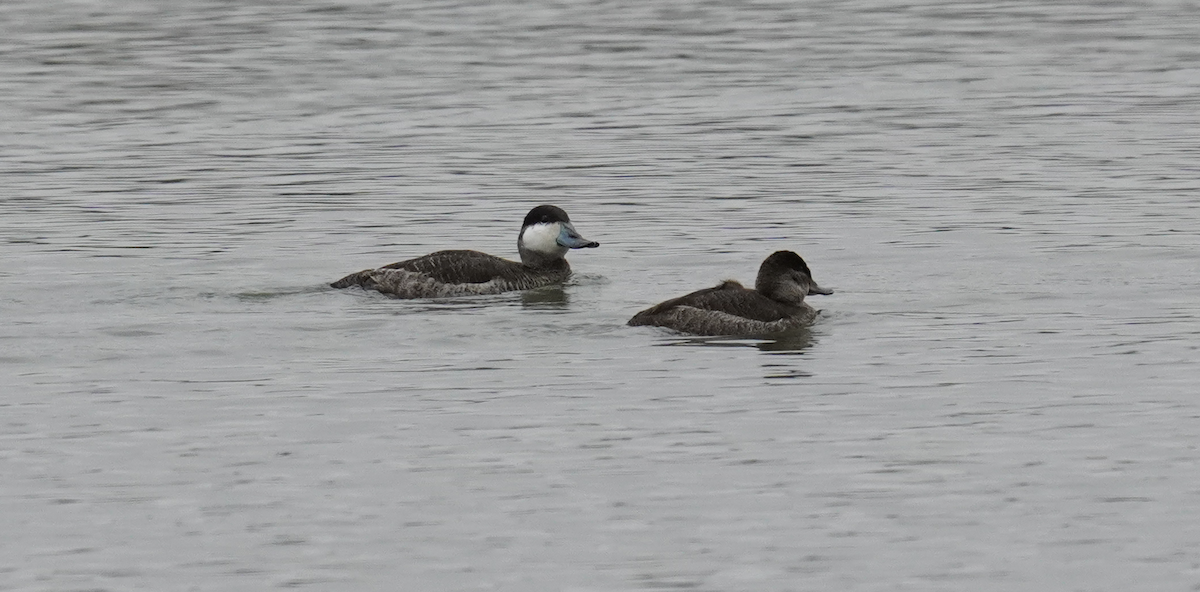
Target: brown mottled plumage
(776,304)
(456,273)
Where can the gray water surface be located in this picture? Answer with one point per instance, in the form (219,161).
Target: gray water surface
(1000,395)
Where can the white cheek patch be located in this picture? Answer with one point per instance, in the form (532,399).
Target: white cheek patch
(543,238)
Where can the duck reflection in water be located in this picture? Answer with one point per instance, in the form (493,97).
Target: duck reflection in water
(553,296)
(775,305)
(785,342)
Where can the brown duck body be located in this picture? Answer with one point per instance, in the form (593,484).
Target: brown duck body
(456,273)
(775,304)
(727,309)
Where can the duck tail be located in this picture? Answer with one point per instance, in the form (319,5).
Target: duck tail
(361,278)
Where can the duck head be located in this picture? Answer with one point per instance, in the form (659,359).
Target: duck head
(785,277)
(546,236)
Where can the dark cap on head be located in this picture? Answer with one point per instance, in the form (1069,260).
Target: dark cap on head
(786,260)
(545,214)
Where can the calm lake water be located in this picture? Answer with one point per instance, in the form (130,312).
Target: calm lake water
(1000,395)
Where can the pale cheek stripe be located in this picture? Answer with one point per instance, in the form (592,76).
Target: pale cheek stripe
(542,237)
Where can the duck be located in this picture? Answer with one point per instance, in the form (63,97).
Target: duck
(776,303)
(545,238)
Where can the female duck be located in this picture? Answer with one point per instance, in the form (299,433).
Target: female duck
(546,236)
(775,304)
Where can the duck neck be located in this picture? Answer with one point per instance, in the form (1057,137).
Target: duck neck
(535,260)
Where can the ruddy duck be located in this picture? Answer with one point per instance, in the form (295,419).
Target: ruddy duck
(775,304)
(546,236)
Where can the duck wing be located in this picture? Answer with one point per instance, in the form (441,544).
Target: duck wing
(463,267)
(729,297)
(442,268)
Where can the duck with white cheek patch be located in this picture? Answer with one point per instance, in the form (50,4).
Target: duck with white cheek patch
(546,236)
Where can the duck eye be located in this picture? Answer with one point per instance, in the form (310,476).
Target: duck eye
(545,218)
